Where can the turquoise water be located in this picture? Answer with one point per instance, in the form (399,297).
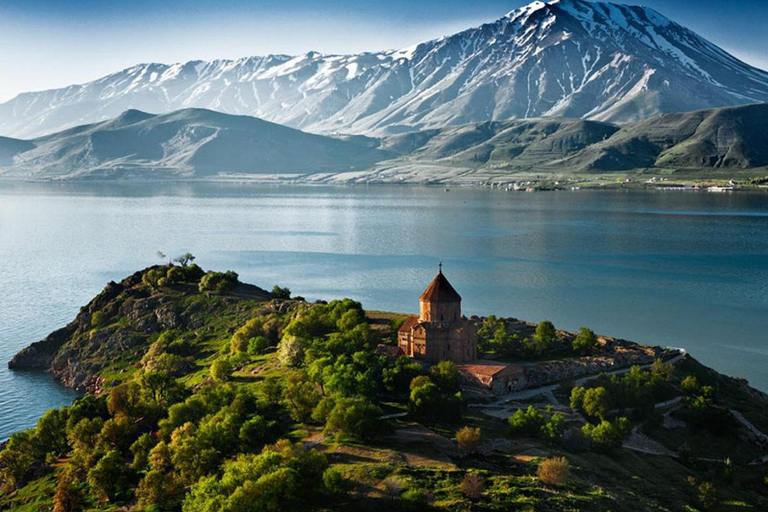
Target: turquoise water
(671,268)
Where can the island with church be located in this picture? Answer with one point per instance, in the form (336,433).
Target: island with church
(201,393)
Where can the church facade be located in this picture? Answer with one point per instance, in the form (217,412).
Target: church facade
(439,332)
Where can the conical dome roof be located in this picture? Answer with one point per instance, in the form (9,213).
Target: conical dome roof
(440,290)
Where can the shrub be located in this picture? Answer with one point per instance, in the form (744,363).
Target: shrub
(607,436)
(290,351)
(472,486)
(335,483)
(174,276)
(99,319)
(446,375)
(69,495)
(414,499)
(109,477)
(690,385)
(545,335)
(221,370)
(554,471)
(355,417)
(302,396)
(218,282)
(155,277)
(585,341)
(280,293)
(468,439)
(419,381)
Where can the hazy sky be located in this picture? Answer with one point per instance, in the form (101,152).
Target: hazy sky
(53,43)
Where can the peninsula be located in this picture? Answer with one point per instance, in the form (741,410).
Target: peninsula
(201,392)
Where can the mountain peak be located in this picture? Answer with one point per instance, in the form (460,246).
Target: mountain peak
(561,58)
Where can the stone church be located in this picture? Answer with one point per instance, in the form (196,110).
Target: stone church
(439,332)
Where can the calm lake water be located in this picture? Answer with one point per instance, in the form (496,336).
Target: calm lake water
(670,268)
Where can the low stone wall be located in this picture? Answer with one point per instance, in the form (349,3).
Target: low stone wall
(554,371)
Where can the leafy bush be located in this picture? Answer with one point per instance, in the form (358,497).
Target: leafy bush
(221,370)
(281,293)
(218,282)
(607,436)
(585,341)
(468,439)
(554,471)
(533,423)
(446,375)
(472,486)
(354,417)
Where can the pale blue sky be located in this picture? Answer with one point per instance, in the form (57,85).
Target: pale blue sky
(53,43)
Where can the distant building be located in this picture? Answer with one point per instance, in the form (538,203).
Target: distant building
(439,332)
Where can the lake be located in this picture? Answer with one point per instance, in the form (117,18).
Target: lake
(684,269)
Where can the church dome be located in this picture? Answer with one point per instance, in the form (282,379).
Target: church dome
(440,290)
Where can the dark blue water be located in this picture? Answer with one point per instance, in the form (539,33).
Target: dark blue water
(670,268)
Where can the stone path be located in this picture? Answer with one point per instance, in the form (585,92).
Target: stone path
(640,442)
(759,437)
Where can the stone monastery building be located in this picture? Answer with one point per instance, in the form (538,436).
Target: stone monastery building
(439,332)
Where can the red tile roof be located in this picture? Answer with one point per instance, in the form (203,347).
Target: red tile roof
(487,368)
(409,323)
(440,290)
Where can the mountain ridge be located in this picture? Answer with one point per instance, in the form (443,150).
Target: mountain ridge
(203,144)
(568,58)
(184,143)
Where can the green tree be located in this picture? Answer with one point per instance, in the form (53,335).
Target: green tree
(184,259)
(51,432)
(221,370)
(607,436)
(354,417)
(585,341)
(446,375)
(270,391)
(545,335)
(662,369)
(255,433)
(527,422)
(595,403)
(69,495)
(17,459)
(164,491)
(281,293)
(302,396)
(109,478)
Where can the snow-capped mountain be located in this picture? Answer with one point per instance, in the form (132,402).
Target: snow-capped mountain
(567,58)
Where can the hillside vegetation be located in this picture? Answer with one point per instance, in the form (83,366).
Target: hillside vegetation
(207,394)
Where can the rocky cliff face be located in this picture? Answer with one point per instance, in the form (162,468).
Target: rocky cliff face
(116,328)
